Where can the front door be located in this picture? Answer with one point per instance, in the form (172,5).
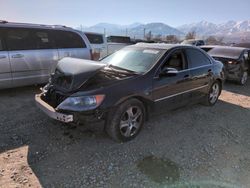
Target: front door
(171,91)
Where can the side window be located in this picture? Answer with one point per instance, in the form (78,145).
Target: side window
(67,39)
(42,39)
(94,38)
(1,41)
(19,39)
(196,58)
(176,60)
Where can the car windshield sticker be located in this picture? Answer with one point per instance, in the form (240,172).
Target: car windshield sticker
(150,51)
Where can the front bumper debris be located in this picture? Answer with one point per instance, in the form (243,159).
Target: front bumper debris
(51,112)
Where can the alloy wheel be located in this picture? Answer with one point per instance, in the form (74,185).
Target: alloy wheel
(244,78)
(131,121)
(214,93)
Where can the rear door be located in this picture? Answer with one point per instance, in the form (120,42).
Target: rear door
(71,44)
(31,55)
(5,70)
(200,71)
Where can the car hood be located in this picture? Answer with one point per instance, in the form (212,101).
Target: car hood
(73,75)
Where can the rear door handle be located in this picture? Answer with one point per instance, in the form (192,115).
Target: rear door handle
(17,56)
(3,56)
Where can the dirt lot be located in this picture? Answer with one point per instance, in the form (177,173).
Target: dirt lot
(195,145)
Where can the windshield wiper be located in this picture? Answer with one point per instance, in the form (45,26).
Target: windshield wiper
(113,67)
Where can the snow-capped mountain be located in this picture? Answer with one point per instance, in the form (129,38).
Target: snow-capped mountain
(207,28)
(201,28)
(155,29)
(134,30)
(231,29)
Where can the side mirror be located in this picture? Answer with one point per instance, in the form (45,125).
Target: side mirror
(167,72)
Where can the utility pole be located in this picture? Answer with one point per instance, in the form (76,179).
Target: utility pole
(144,33)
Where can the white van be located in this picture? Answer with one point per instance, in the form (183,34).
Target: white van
(98,44)
(29,53)
(115,43)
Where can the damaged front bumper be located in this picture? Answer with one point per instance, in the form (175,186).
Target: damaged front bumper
(51,112)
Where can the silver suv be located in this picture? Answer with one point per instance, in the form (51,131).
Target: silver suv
(29,52)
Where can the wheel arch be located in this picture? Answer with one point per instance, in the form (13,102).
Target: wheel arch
(146,103)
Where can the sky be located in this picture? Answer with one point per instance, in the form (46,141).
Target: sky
(90,12)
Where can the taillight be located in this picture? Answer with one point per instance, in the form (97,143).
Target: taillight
(95,54)
(232,62)
(91,54)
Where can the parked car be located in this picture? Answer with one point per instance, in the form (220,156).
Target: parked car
(29,53)
(127,87)
(115,43)
(98,44)
(194,42)
(235,59)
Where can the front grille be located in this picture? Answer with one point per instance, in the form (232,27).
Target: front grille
(54,98)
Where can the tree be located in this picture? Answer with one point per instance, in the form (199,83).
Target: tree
(190,35)
(172,39)
(148,36)
(211,40)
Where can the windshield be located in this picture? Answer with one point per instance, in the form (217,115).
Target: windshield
(232,53)
(136,60)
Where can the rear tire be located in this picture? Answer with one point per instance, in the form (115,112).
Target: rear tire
(126,121)
(213,95)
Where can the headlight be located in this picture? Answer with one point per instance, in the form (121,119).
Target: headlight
(82,103)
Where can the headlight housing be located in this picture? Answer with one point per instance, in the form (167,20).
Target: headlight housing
(82,103)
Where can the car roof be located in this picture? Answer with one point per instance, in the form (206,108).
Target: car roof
(34,26)
(160,46)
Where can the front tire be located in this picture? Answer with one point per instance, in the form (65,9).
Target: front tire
(126,121)
(213,95)
(243,78)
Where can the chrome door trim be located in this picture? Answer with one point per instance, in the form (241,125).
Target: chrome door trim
(160,99)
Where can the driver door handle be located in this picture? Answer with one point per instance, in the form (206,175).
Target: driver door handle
(3,56)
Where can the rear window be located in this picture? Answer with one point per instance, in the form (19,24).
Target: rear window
(67,39)
(19,39)
(95,38)
(118,39)
(232,53)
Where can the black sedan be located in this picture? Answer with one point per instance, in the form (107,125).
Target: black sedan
(235,59)
(127,87)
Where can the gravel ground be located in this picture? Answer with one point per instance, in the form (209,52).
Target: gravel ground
(195,145)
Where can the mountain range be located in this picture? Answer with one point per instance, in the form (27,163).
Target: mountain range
(231,30)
